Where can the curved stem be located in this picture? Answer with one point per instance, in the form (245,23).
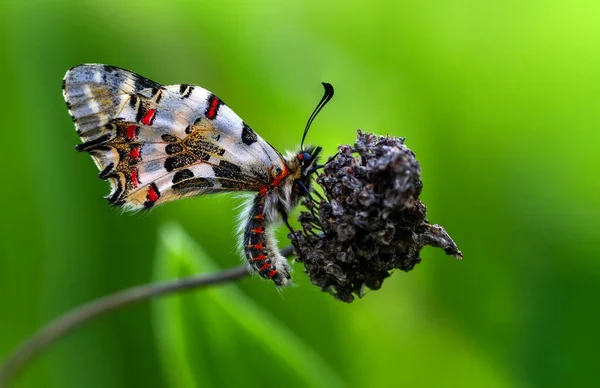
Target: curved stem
(66,323)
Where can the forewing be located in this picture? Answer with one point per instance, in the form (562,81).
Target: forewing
(159,143)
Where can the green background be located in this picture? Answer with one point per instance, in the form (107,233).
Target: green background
(499,100)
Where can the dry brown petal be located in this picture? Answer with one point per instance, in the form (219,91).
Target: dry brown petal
(371,220)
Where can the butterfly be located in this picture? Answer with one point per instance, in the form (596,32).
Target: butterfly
(156,144)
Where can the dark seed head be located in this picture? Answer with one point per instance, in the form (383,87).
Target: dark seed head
(371,220)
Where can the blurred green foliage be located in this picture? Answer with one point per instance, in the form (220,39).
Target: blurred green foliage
(499,100)
(229,321)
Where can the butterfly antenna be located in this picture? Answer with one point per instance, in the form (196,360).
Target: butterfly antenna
(326,97)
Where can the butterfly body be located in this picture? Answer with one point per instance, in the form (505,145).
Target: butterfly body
(155,144)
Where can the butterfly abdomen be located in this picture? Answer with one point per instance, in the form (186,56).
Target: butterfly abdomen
(260,247)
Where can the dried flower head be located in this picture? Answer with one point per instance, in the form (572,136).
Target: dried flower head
(371,220)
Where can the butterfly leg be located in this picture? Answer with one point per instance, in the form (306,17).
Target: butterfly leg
(284,217)
(306,192)
(320,166)
(315,168)
(314,203)
(294,239)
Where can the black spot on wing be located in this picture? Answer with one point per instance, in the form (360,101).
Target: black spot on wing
(233,178)
(260,174)
(211,148)
(248,135)
(230,166)
(158,93)
(179,161)
(200,154)
(106,173)
(202,148)
(230,176)
(110,69)
(133,100)
(145,83)
(173,148)
(169,138)
(141,112)
(93,144)
(115,198)
(185,90)
(182,175)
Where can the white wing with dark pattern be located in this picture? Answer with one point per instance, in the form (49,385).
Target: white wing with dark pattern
(158,143)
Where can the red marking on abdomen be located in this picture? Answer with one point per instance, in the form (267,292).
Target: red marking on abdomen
(272,273)
(147,120)
(263,190)
(260,216)
(265,266)
(213,108)
(258,230)
(260,257)
(130,132)
(277,180)
(135,153)
(134,178)
(258,246)
(152,194)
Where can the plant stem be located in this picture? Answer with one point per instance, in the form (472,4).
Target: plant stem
(66,323)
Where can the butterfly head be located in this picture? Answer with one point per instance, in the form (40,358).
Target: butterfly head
(308,161)
(308,158)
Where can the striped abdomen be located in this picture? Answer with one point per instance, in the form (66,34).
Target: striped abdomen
(260,247)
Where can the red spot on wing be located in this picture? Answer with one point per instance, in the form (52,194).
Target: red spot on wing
(131,132)
(212,111)
(263,190)
(265,266)
(134,178)
(272,273)
(152,195)
(149,117)
(260,257)
(283,174)
(258,230)
(135,153)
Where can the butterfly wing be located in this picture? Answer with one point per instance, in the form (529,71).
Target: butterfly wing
(157,143)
